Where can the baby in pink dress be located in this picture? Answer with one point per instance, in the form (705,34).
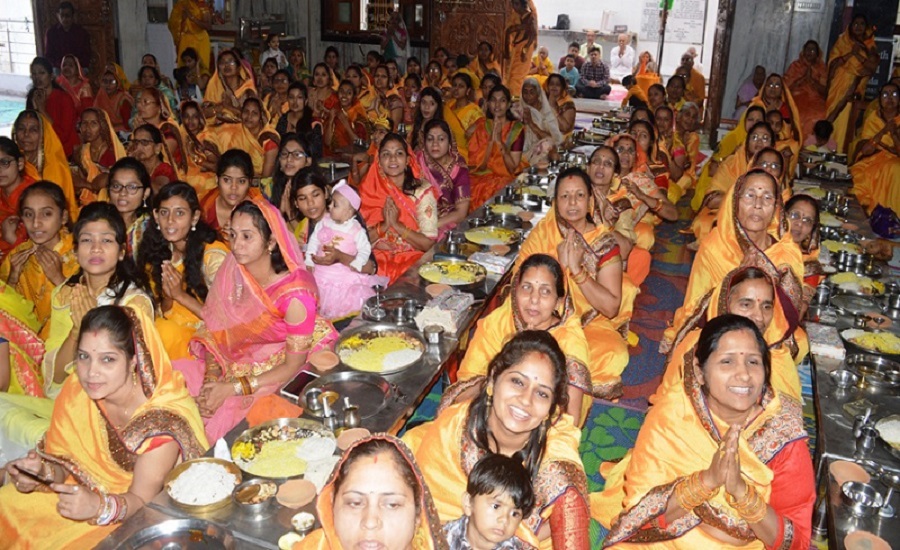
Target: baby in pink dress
(342,287)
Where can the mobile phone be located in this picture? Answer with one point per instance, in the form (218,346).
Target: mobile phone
(294,389)
(35,476)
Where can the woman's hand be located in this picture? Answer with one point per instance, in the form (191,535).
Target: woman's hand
(725,468)
(497,132)
(17,264)
(51,264)
(81,303)
(171,282)
(9,227)
(391,212)
(76,502)
(212,395)
(32,463)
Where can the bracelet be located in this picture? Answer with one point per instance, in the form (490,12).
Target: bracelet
(580,277)
(122,504)
(658,207)
(237,387)
(108,511)
(691,492)
(245,385)
(751,506)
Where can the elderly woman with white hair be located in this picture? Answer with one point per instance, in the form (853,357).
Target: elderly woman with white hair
(542,133)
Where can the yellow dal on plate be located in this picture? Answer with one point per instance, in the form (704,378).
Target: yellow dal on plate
(380,353)
(836,246)
(487,236)
(278,458)
(452,273)
(503,208)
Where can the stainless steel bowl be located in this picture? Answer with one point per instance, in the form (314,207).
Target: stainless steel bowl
(862,499)
(844,379)
(255,509)
(181,533)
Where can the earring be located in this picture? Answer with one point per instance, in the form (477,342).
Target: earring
(194,227)
(158,227)
(145,203)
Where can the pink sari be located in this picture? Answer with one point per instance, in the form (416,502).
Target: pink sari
(244,330)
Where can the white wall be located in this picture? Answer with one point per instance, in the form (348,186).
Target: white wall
(583,15)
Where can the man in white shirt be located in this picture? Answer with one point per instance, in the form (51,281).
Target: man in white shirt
(621,60)
(585,50)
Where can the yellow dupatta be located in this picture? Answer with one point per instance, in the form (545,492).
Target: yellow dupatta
(844,81)
(19,327)
(875,177)
(188,33)
(52,164)
(460,120)
(91,168)
(95,454)
(217,91)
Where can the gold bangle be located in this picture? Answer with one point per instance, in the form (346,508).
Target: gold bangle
(751,506)
(691,492)
(245,385)
(580,277)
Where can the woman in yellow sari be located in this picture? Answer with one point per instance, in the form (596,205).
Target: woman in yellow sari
(558,95)
(538,301)
(399,207)
(200,154)
(100,148)
(181,256)
(613,203)
(751,219)
(229,86)
(853,59)
(21,350)
(462,112)
(518,411)
(603,296)
(45,158)
(759,137)
(255,134)
(109,445)
(47,258)
(495,149)
(807,80)
(721,461)
(381,466)
(189,23)
(383,101)
(877,167)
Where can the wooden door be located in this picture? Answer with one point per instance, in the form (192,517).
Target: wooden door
(96,16)
(460,25)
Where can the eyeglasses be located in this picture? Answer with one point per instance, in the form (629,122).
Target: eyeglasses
(752,198)
(297,155)
(141,142)
(625,150)
(769,166)
(4,163)
(890,94)
(773,85)
(760,137)
(229,63)
(281,80)
(108,81)
(798,217)
(131,189)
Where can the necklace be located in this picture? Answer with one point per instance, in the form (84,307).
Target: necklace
(127,412)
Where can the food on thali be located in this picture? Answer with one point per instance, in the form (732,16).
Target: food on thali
(490,235)
(851,282)
(881,342)
(814,192)
(506,208)
(256,492)
(889,430)
(830,220)
(383,351)
(532,190)
(836,246)
(281,451)
(452,273)
(202,483)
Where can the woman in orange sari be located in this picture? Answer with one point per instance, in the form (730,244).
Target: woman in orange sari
(558,95)
(345,122)
(687,143)
(381,466)
(876,170)
(259,318)
(113,97)
(200,154)
(13,183)
(853,59)
(517,412)
(322,96)
(807,79)
(45,158)
(484,61)
(538,301)
(400,208)
(712,467)
(603,296)
(75,83)
(751,218)
(118,428)
(760,137)
(385,101)
(153,109)
(495,149)
(229,86)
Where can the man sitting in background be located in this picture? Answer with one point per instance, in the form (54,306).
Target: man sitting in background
(594,81)
(589,43)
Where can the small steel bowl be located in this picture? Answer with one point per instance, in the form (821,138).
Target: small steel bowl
(303,523)
(862,499)
(260,508)
(844,379)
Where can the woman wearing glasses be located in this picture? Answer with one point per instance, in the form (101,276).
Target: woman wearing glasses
(877,167)
(760,136)
(130,192)
(227,89)
(293,156)
(148,146)
(803,216)
(751,220)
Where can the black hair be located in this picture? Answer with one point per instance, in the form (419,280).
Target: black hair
(375,54)
(513,352)
(676,78)
(331,49)
(259,221)
(438,123)
(775,112)
(136,166)
(418,119)
(233,52)
(181,74)
(304,178)
(594,49)
(488,44)
(642,109)
(9,147)
(373,447)
(415,78)
(755,108)
(410,183)
(570,56)
(66,5)
(806,199)
(497,472)
(574,45)
(283,72)
(628,80)
(505,91)
(347,82)
(322,65)
(660,87)
(279,178)
(608,149)
(442,49)
(381,66)
(466,79)
(53,191)
(545,260)
(191,53)
(412,59)
(126,272)
(272,35)
(748,274)
(44,63)
(116,322)
(718,327)
(769,151)
(650,127)
(491,77)
(765,126)
(270,60)
(235,158)
(155,249)
(154,132)
(153,70)
(813,42)
(823,129)
(436,64)
(462,60)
